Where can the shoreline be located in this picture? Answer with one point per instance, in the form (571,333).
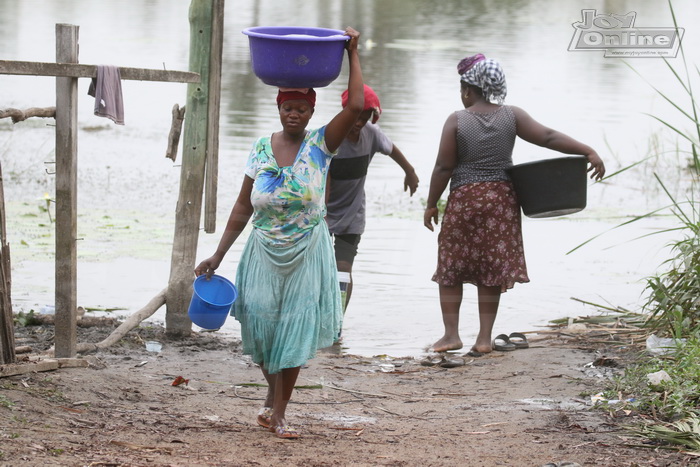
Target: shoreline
(395,306)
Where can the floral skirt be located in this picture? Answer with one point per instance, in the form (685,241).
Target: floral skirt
(480,241)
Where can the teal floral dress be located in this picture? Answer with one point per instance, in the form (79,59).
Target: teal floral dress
(289,302)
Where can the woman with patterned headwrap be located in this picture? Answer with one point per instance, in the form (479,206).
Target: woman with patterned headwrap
(480,241)
(289,302)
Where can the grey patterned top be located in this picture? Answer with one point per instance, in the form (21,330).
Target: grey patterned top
(484,146)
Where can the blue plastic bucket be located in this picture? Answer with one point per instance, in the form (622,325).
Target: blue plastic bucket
(296,57)
(211,301)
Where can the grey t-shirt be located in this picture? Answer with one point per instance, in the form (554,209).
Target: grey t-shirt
(348,172)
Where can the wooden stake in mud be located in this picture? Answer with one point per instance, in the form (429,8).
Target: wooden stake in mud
(211,175)
(194,151)
(66,194)
(7,335)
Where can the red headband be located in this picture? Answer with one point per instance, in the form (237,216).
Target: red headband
(371,102)
(309,96)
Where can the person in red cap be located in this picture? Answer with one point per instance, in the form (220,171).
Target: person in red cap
(289,302)
(346,192)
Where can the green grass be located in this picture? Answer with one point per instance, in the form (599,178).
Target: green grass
(683,433)
(670,400)
(5,402)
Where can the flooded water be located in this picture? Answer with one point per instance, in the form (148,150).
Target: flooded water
(410,48)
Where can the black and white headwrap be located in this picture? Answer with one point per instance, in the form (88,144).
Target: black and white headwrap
(489,77)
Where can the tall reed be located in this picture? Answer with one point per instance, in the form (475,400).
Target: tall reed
(672,297)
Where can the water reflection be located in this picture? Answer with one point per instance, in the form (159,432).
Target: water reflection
(409,56)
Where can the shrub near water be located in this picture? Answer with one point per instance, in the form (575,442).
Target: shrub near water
(674,297)
(673,305)
(673,301)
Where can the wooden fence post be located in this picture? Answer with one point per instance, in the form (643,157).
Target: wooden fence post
(7,332)
(189,205)
(66,195)
(211,175)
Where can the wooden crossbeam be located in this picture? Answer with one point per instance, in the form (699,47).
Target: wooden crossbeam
(77,70)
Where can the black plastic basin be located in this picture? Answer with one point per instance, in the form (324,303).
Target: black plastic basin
(551,187)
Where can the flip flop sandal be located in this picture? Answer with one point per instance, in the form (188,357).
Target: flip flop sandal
(519,340)
(264,417)
(502,343)
(432,361)
(475,353)
(452,363)
(285,432)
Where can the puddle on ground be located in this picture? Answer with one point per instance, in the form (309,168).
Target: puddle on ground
(551,404)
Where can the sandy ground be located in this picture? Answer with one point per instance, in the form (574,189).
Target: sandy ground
(530,407)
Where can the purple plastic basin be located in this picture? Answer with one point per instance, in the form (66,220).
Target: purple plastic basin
(296,57)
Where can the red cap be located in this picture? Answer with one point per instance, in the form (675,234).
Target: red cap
(371,102)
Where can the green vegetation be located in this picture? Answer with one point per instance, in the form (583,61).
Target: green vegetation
(685,433)
(673,301)
(677,397)
(671,406)
(5,402)
(26,319)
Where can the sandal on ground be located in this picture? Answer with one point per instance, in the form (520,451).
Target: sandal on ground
(432,360)
(502,343)
(285,432)
(264,417)
(519,340)
(452,363)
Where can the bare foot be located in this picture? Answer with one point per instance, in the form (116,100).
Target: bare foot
(475,353)
(445,345)
(276,421)
(481,348)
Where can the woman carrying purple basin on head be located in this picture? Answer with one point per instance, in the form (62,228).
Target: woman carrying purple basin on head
(288,300)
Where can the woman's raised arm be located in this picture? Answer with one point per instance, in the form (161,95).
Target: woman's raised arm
(340,125)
